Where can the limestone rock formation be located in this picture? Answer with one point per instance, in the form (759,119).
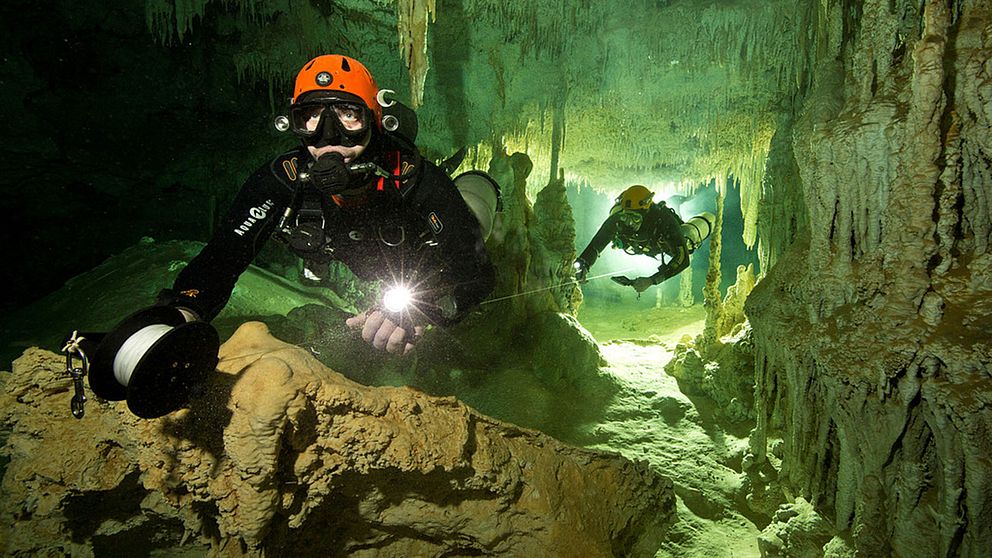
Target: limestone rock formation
(510,247)
(871,333)
(722,369)
(724,372)
(732,318)
(279,455)
(555,240)
(796,531)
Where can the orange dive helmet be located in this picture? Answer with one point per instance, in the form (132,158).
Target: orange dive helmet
(334,73)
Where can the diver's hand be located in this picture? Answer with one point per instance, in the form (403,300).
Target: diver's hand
(384,334)
(581,270)
(620,279)
(640,284)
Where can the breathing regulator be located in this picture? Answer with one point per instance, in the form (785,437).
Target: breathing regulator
(153,359)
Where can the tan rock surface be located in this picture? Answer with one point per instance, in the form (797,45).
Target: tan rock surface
(281,455)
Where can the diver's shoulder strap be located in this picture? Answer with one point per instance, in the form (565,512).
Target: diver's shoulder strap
(406,164)
(286,168)
(395,160)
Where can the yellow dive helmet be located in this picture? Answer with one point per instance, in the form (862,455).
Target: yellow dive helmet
(634,198)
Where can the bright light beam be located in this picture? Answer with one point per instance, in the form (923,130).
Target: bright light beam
(397,298)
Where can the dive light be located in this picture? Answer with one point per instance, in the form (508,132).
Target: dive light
(397,298)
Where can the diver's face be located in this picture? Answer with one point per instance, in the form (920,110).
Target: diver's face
(332,125)
(631,220)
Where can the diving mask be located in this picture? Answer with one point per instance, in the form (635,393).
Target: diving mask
(324,122)
(631,219)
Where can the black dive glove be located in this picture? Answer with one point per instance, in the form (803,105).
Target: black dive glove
(639,284)
(330,175)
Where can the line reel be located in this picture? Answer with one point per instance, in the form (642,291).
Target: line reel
(153,359)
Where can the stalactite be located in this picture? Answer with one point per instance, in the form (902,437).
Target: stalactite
(169,19)
(160,19)
(413,19)
(557,133)
(273,34)
(913,207)
(782,214)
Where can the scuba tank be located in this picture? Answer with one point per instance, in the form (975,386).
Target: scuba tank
(698,229)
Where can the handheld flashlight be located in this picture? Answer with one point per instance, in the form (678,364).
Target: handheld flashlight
(397,298)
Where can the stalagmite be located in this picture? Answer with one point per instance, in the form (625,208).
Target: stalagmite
(711,292)
(685,289)
(554,237)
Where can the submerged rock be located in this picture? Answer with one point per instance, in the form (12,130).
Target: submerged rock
(280,455)
(796,531)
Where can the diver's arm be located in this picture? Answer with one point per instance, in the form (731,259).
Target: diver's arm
(674,266)
(464,275)
(205,284)
(601,239)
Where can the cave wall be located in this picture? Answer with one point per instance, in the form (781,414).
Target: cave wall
(112,136)
(871,331)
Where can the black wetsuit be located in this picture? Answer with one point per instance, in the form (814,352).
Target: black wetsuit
(660,233)
(419,230)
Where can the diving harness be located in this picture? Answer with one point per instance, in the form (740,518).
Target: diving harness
(302,226)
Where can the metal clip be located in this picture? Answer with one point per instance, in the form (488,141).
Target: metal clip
(402,236)
(70,349)
(370,167)
(283,226)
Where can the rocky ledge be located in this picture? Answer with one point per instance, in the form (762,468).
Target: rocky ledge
(280,455)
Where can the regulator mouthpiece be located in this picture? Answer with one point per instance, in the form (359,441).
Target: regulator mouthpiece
(397,298)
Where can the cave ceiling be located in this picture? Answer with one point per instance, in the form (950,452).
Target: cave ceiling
(653,92)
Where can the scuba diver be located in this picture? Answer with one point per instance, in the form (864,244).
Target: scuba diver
(637,225)
(356,193)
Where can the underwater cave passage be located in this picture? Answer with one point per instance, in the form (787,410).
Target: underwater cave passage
(684,409)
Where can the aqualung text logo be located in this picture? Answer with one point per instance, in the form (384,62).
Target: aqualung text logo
(255,214)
